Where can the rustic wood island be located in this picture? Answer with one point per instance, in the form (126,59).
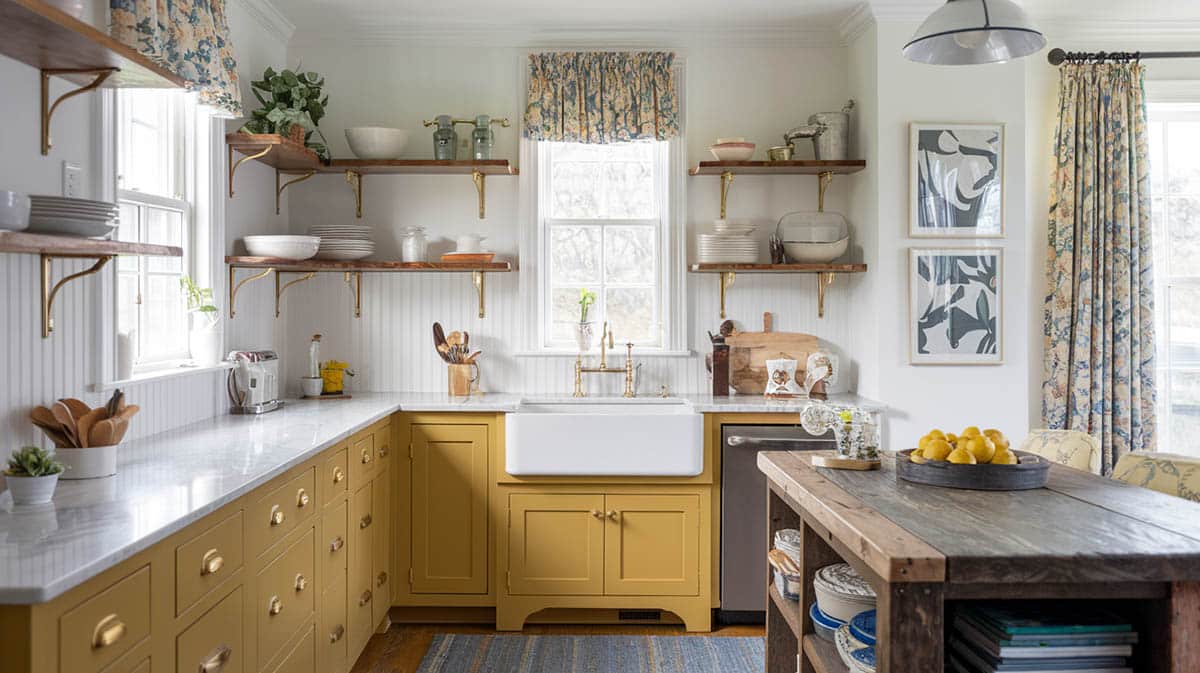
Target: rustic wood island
(926,549)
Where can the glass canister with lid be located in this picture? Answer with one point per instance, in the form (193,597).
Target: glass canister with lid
(413,245)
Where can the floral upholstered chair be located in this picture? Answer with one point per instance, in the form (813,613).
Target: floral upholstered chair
(1163,472)
(1067,447)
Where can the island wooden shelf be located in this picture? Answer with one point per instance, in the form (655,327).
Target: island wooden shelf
(789,610)
(822,654)
(824,170)
(826,273)
(352,272)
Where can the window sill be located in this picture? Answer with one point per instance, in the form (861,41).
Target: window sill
(612,353)
(160,375)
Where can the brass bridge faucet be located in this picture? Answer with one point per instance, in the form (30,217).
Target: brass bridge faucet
(627,370)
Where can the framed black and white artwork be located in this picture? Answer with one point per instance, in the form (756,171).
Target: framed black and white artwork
(956,180)
(955,302)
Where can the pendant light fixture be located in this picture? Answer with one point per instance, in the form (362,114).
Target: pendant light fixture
(969,32)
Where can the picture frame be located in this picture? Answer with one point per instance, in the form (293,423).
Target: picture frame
(965,157)
(956,303)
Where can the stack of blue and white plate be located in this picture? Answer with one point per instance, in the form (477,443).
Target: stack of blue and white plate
(71,217)
(856,643)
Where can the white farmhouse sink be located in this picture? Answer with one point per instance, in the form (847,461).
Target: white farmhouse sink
(607,438)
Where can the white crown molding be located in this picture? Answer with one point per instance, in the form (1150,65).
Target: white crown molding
(856,23)
(270,19)
(1121,34)
(903,10)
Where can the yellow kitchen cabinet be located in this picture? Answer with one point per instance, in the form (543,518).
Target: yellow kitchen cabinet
(286,596)
(214,642)
(556,544)
(651,545)
(381,545)
(360,620)
(331,634)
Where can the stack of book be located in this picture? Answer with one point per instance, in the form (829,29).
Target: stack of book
(1034,639)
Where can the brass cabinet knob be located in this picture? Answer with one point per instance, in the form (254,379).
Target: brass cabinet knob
(366,456)
(274,606)
(336,544)
(216,659)
(337,633)
(364,598)
(108,631)
(339,475)
(597,513)
(301,498)
(383,452)
(276,515)
(211,562)
(301,582)
(612,514)
(381,579)
(365,521)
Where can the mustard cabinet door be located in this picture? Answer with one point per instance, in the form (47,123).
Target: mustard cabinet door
(381,493)
(556,544)
(214,642)
(652,545)
(360,622)
(449,509)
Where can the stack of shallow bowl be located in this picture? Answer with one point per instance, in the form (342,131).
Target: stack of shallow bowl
(71,217)
(730,243)
(813,237)
(343,241)
(842,593)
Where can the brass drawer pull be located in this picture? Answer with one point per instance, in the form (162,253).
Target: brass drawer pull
(211,563)
(339,475)
(612,514)
(217,660)
(336,544)
(364,598)
(107,632)
(276,515)
(301,582)
(301,498)
(337,633)
(366,456)
(274,606)
(365,521)
(598,514)
(383,452)
(381,579)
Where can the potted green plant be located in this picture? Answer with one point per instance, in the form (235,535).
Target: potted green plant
(204,339)
(586,329)
(32,475)
(292,106)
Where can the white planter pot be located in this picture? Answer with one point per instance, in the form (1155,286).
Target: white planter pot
(585,332)
(89,463)
(31,490)
(205,347)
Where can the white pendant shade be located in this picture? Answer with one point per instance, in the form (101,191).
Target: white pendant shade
(969,32)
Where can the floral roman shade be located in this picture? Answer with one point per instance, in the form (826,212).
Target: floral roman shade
(188,37)
(601,97)
(1099,310)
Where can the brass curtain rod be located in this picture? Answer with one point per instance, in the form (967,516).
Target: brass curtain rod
(1058,56)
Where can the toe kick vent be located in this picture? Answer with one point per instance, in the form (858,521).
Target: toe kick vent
(639,615)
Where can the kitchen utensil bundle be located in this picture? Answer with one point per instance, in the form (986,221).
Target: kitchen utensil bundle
(455,351)
(813,237)
(829,131)
(14,210)
(72,217)
(730,243)
(343,241)
(72,424)
(253,385)
(732,149)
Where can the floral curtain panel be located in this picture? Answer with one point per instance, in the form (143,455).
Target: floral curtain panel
(601,97)
(1099,311)
(188,37)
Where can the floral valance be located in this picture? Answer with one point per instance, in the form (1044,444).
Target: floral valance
(188,37)
(601,97)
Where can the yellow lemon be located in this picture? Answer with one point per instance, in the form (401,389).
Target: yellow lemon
(981,447)
(952,438)
(970,431)
(936,433)
(1004,457)
(937,449)
(915,457)
(923,442)
(962,457)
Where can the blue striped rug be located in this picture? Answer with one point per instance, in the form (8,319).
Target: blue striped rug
(470,653)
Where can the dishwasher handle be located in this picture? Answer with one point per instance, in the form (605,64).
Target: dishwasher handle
(775,442)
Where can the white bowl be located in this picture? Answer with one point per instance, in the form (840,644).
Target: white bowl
(376,142)
(311,386)
(284,247)
(89,463)
(815,253)
(32,490)
(733,151)
(14,210)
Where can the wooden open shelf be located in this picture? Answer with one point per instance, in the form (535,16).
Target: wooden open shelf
(825,276)
(73,246)
(799,167)
(789,609)
(822,654)
(283,154)
(421,167)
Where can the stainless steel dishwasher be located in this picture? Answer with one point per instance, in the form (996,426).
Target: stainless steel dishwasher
(744,513)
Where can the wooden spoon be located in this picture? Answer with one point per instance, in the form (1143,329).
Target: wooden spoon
(444,351)
(62,414)
(43,416)
(103,433)
(471,358)
(56,435)
(455,338)
(83,427)
(128,412)
(122,425)
(77,407)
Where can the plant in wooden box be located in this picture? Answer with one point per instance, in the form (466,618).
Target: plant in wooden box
(292,106)
(586,329)
(32,475)
(204,339)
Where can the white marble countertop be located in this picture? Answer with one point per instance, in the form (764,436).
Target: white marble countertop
(167,481)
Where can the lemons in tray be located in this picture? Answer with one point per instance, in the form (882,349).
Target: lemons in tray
(970,447)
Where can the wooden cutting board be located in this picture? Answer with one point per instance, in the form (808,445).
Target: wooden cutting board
(749,352)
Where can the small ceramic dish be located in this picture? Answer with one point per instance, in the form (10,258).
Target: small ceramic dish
(825,626)
(863,627)
(841,592)
(732,151)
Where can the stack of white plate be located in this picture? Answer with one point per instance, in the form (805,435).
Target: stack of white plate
(72,217)
(343,241)
(730,243)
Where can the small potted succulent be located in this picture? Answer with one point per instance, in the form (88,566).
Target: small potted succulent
(204,339)
(585,331)
(32,475)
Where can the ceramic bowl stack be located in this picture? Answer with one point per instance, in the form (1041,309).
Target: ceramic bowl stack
(730,243)
(343,241)
(71,217)
(858,656)
(842,593)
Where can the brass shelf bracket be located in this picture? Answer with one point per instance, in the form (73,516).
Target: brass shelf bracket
(233,166)
(50,291)
(233,288)
(354,282)
(48,109)
(280,289)
(280,187)
(354,179)
(727,278)
(726,181)
(477,281)
(824,280)
(823,181)
(481,187)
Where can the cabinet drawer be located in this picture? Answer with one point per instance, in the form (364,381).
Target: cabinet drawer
(302,658)
(335,472)
(331,632)
(105,626)
(207,560)
(281,511)
(286,596)
(334,541)
(361,580)
(214,643)
(362,458)
(381,545)
(383,446)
